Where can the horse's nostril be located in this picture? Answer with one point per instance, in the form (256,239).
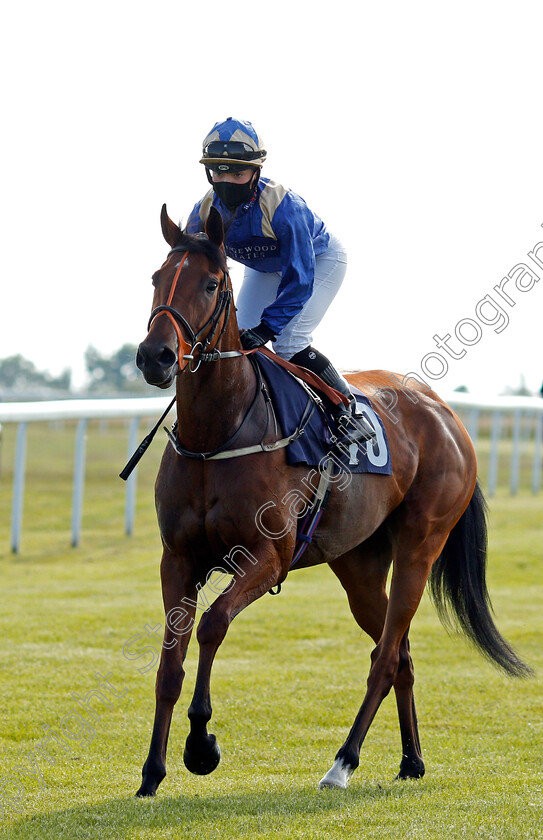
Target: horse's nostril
(166,358)
(158,357)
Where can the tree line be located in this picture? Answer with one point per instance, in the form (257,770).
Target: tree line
(107,374)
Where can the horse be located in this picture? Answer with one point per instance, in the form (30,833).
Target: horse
(426,520)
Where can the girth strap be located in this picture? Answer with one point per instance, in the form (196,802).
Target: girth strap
(311,520)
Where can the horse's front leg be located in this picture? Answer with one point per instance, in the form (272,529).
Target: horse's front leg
(257,571)
(178,592)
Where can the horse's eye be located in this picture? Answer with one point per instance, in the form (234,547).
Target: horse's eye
(212,285)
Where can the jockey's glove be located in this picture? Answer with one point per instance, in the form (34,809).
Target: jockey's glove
(256,337)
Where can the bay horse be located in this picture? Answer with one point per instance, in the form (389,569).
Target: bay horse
(426,520)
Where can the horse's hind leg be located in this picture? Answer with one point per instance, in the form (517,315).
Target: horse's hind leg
(412,765)
(363,575)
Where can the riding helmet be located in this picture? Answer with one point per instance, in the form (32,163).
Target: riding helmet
(233,144)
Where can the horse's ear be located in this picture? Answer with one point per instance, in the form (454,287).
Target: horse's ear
(170,230)
(214,227)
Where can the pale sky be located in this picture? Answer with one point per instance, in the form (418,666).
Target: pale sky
(413,129)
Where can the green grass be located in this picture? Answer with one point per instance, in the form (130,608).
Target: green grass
(287,683)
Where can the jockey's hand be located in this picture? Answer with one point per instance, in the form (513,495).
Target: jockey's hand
(256,337)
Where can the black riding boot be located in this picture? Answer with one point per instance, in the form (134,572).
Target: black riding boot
(351,423)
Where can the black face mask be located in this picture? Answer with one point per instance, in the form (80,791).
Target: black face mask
(234,195)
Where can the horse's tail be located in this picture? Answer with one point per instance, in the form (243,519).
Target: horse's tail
(458,588)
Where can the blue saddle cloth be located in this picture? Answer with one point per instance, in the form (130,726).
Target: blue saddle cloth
(315,445)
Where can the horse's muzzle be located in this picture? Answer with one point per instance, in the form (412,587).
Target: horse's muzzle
(157,362)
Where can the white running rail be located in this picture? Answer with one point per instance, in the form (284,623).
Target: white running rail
(526,414)
(82,411)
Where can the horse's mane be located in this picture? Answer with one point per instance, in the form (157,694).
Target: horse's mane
(198,243)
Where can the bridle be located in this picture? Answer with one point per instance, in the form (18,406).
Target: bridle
(199,345)
(207,354)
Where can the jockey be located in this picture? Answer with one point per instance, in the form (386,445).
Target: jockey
(294,266)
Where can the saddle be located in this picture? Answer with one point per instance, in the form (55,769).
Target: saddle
(316,444)
(291,396)
(335,397)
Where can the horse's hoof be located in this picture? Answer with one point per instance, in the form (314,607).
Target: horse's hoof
(338,776)
(201,755)
(151,781)
(147,789)
(411,769)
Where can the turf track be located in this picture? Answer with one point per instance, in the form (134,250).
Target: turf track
(286,686)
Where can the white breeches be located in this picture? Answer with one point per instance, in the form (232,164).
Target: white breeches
(259,289)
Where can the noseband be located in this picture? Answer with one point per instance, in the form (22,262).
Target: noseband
(224,302)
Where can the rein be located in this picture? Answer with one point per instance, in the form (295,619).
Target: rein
(205,356)
(225,451)
(187,354)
